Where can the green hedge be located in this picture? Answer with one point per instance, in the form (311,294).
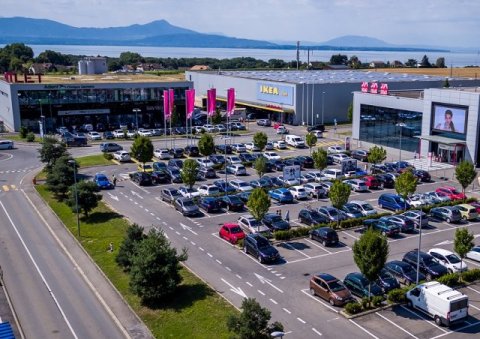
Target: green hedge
(353,308)
(450,279)
(471,275)
(427,209)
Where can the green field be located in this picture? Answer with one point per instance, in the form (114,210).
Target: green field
(196,311)
(93,160)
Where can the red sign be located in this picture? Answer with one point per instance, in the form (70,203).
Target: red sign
(384,89)
(28,79)
(365,87)
(374,88)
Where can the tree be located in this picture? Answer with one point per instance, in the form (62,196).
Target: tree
(411,63)
(87,197)
(60,177)
(406,185)
(252,323)
(206,146)
(311,140)
(463,243)
(339,193)
(425,63)
(440,63)
(370,252)
(155,270)
(130,58)
(350,112)
(217,117)
(260,139)
(260,166)
(50,151)
(320,158)
(376,155)
(354,62)
(276,63)
(465,173)
(189,172)
(338,59)
(258,203)
(446,83)
(142,149)
(128,247)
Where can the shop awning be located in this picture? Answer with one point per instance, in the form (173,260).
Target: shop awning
(441,140)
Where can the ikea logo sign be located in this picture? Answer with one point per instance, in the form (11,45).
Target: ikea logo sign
(279,94)
(269,90)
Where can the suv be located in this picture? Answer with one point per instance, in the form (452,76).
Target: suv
(428,265)
(141,178)
(330,288)
(386,227)
(448,213)
(393,202)
(192,151)
(448,259)
(326,235)
(259,247)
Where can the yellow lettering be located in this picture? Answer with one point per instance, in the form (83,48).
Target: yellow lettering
(269,90)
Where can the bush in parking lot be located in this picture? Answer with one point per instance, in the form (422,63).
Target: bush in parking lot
(396,295)
(471,275)
(349,223)
(353,308)
(23,132)
(450,279)
(30,137)
(366,303)
(377,301)
(108,156)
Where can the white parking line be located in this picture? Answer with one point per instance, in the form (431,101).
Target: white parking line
(317,245)
(293,248)
(319,301)
(363,329)
(318,256)
(472,289)
(261,292)
(191,242)
(201,249)
(421,316)
(218,261)
(211,256)
(287,311)
(273,301)
(352,236)
(475,307)
(301,320)
(239,277)
(399,327)
(457,330)
(317,332)
(472,262)
(228,268)
(248,284)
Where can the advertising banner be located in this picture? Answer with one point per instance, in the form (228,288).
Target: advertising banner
(190,102)
(272,92)
(166,106)
(230,101)
(291,172)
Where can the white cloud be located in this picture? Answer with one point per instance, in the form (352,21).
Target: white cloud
(426,22)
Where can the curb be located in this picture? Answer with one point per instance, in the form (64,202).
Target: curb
(361,314)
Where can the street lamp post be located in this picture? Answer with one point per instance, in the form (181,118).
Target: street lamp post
(401,125)
(419,245)
(323,106)
(225,159)
(136,111)
(72,162)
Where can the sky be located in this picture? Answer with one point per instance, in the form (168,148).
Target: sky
(446,23)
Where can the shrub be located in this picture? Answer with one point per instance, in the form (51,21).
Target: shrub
(282,235)
(471,275)
(23,132)
(450,279)
(397,295)
(108,156)
(353,308)
(377,301)
(366,302)
(30,137)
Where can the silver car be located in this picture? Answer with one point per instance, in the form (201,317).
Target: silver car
(121,156)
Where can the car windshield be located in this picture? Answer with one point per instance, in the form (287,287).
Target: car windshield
(174,171)
(384,274)
(255,223)
(275,218)
(235,230)
(407,268)
(336,286)
(453,259)
(235,200)
(262,243)
(367,207)
(316,215)
(243,184)
(188,203)
(174,192)
(428,261)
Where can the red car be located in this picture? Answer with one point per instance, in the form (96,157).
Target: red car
(372,182)
(231,233)
(451,192)
(476,205)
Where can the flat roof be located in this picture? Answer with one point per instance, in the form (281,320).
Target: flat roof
(328,76)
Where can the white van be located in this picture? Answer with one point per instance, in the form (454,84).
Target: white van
(444,304)
(294,140)
(333,173)
(6,144)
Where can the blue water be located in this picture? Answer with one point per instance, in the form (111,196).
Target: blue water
(455,59)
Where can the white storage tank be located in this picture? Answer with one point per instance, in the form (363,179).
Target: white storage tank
(82,67)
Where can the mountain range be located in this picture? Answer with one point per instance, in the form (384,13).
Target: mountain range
(160,33)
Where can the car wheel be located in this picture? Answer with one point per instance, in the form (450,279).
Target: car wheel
(380,205)
(409,304)
(312,292)
(228,208)
(438,320)
(449,220)
(324,242)
(464,217)
(332,302)
(311,236)
(450,270)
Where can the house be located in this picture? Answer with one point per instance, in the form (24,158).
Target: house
(200,68)
(397,63)
(149,67)
(376,64)
(41,68)
(336,67)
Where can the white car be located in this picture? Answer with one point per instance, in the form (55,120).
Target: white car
(317,175)
(209,128)
(189,192)
(236,169)
(241,185)
(221,128)
(298,192)
(234,160)
(314,190)
(282,130)
(121,156)
(252,147)
(289,182)
(163,154)
(269,146)
(317,133)
(239,148)
(365,208)
(474,253)
(357,185)
(339,157)
(118,133)
(94,136)
(198,129)
(249,223)
(205,190)
(335,149)
(271,156)
(449,260)
(280,144)
(207,163)
(131,134)
(144,132)
(306,178)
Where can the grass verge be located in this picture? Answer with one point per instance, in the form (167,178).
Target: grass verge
(196,311)
(93,160)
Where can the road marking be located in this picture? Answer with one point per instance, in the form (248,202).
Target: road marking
(236,290)
(211,256)
(191,242)
(319,256)
(293,248)
(218,261)
(458,330)
(136,194)
(64,316)
(228,268)
(178,233)
(421,316)
(318,300)
(399,327)
(264,281)
(185,227)
(158,219)
(475,307)
(239,277)
(201,249)
(114,197)
(146,210)
(472,289)
(185,238)
(140,206)
(354,237)
(152,214)
(248,284)
(301,320)
(363,329)
(170,227)
(472,262)
(163,222)
(273,301)
(323,248)
(261,292)
(287,311)
(317,332)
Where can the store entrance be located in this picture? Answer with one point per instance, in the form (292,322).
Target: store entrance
(451,154)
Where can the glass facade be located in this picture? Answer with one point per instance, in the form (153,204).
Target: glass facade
(390,127)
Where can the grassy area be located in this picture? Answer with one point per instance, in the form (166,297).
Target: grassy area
(93,160)
(195,312)
(16,137)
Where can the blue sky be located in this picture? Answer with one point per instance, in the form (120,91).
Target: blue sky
(449,23)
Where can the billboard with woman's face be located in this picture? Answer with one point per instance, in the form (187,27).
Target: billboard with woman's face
(449,118)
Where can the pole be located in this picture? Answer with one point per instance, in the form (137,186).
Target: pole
(226,173)
(401,143)
(323,106)
(419,246)
(313,99)
(303,104)
(76,194)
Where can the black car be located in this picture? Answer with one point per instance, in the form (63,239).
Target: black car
(170,194)
(224,186)
(293,162)
(428,265)
(360,286)
(159,166)
(179,130)
(387,281)
(246,157)
(209,204)
(220,149)
(191,151)
(277,165)
(276,182)
(176,152)
(330,160)
(259,247)
(175,163)
(141,178)
(206,173)
(325,235)
(360,154)
(311,217)
(108,135)
(404,272)
(275,222)
(307,161)
(263,183)
(231,203)
(160,177)
(319,127)
(217,159)
(385,180)
(422,175)
(175,175)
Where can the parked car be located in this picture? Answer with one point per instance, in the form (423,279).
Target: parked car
(252,147)
(314,190)
(418,217)
(280,144)
(385,227)
(422,175)
(141,167)
(122,156)
(364,207)
(312,217)
(331,213)
(360,154)
(264,122)
(266,184)
(271,155)
(260,248)
(448,259)
(234,160)
(188,192)
(209,204)
(231,233)
(468,212)
(191,151)
(387,281)
(372,182)
(206,173)
(474,253)
(282,130)
(439,197)
(231,203)
(244,196)
(163,154)
(404,272)
(275,222)
(236,169)
(393,202)
(119,133)
(223,149)
(325,235)
(330,288)
(298,192)
(217,159)
(186,206)
(428,265)
(386,181)
(282,195)
(175,163)
(160,177)
(175,175)
(224,186)
(107,135)
(360,286)
(335,149)
(351,211)
(102,181)
(447,213)
(338,158)
(249,223)
(406,225)
(204,162)
(170,194)
(305,161)
(176,152)
(451,192)
(356,185)
(247,157)
(159,166)
(144,132)
(208,190)
(141,178)
(241,185)
(110,147)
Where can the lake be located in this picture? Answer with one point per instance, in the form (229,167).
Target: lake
(452,58)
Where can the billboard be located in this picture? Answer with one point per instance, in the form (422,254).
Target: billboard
(449,118)
(272,92)
(291,172)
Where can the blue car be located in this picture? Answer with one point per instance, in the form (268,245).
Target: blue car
(102,181)
(282,195)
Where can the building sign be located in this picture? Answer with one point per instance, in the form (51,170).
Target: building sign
(374,88)
(272,92)
(291,172)
(364,87)
(85,112)
(27,79)
(384,89)
(60,87)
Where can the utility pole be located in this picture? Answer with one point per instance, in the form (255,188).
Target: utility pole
(298,55)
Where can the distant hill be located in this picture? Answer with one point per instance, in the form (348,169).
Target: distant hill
(156,33)
(356,41)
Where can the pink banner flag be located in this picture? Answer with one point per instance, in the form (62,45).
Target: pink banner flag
(212,101)
(171,99)
(166,106)
(230,101)
(190,102)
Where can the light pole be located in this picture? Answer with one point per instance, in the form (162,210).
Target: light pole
(136,111)
(225,159)
(401,125)
(419,245)
(72,162)
(323,106)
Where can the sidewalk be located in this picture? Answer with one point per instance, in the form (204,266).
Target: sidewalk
(108,295)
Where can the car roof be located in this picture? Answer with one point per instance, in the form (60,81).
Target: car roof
(326,276)
(440,251)
(230,224)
